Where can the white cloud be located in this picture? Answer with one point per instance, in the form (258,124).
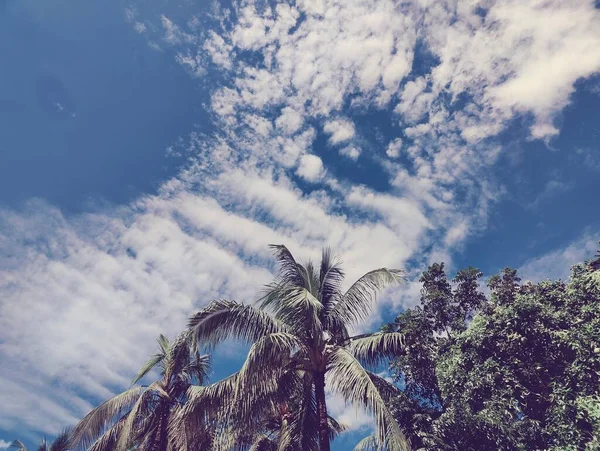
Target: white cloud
(398,213)
(290,120)
(4,445)
(121,282)
(193,64)
(139,27)
(394,147)
(130,14)
(173,34)
(340,130)
(351,152)
(310,168)
(556,264)
(355,419)
(219,51)
(519,58)
(361,51)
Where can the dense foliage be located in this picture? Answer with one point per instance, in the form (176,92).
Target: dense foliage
(516,369)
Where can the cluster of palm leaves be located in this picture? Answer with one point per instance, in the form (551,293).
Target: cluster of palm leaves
(61,443)
(301,350)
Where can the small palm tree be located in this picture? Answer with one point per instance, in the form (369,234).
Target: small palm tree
(142,416)
(300,330)
(61,443)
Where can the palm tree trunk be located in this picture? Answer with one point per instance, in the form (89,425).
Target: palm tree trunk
(319,379)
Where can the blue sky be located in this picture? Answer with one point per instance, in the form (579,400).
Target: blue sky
(150,150)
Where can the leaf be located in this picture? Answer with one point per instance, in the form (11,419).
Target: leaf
(228,319)
(350,379)
(331,277)
(356,304)
(367,444)
(94,423)
(62,442)
(18,445)
(266,360)
(373,349)
(289,271)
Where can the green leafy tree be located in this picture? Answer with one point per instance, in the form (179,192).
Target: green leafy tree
(518,372)
(300,332)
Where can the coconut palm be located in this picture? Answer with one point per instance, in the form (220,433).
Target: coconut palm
(281,422)
(61,443)
(300,329)
(141,417)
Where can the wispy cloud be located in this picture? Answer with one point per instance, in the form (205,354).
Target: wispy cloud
(557,263)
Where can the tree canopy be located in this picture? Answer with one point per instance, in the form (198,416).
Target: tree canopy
(518,369)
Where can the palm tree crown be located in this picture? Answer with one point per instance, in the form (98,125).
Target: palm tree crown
(144,416)
(300,334)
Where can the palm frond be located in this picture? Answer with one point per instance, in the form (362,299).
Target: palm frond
(356,304)
(337,328)
(351,380)
(62,442)
(373,349)
(335,428)
(331,277)
(266,360)
(128,432)
(163,343)
(147,367)
(287,438)
(264,443)
(300,311)
(228,319)
(202,399)
(198,435)
(108,440)
(94,423)
(199,368)
(386,389)
(205,406)
(289,270)
(18,445)
(178,357)
(368,444)
(310,278)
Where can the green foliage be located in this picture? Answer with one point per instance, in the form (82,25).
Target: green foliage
(518,372)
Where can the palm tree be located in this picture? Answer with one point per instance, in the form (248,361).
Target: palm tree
(301,330)
(61,443)
(281,422)
(142,416)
